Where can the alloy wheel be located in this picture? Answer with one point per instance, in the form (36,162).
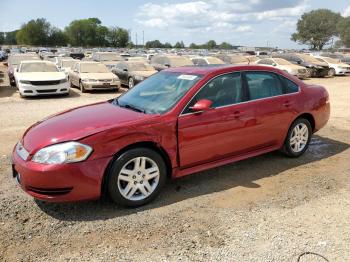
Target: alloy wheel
(299,137)
(131,82)
(138,178)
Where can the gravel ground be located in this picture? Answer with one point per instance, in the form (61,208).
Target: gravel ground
(269,208)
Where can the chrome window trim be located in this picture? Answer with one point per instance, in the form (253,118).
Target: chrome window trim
(244,102)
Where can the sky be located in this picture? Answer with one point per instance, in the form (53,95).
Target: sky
(239,22)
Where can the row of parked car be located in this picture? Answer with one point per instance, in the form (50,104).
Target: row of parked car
(47,73)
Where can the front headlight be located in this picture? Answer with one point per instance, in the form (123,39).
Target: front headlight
(140,78)
(63,80)
(69,152)
(115,79)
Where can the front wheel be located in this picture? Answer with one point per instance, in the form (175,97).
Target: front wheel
(131,83)
(298,138)
(136,177)
(331,72)
(82,88)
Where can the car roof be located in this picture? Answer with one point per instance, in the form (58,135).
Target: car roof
(205,70)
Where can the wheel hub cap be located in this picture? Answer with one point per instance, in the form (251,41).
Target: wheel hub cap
(138,178)
(299,138)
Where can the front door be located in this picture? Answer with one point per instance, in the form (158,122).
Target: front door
(225,130)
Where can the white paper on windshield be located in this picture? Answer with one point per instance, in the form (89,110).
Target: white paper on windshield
(187,77)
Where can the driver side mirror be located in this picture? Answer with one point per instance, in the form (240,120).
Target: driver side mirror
(202,105)
(299,62)
(167,65)
(125,70)
(274,64)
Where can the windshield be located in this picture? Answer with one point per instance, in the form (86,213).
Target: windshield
(110,57)
(159,93)
(281,61)
(16,60)
(215,61)
(38,67)
(93,68)
(68,64)
(140,67)
(180,61)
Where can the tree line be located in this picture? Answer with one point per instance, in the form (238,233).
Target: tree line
(316,28)
(211,44)
(83,32)
(320,27)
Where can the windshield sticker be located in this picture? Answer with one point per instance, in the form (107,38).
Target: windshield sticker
(187,77)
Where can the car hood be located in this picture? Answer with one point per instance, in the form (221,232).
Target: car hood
(145,73)
(340,65)
(78,123)
(97,76)
(41,76)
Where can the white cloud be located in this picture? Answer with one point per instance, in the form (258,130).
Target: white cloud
(347,12)
(236,15)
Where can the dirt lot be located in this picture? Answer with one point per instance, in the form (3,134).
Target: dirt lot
(269,208)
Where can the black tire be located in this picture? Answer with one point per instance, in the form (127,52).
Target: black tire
(82,88)
(71,84)
(118,164)
(287,147)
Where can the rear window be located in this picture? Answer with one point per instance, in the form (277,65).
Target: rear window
(291,87)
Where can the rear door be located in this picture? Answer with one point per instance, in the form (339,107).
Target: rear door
(226,129)
(273,107)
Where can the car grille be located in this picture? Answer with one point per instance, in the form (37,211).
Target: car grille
(105,80)
(50,191)
(46,91)
(45,83)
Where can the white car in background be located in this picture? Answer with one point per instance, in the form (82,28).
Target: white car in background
(65,65)
(336,67)
(282,64)
(35,78)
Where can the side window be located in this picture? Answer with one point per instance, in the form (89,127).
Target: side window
(263,85)
(222,91)
(291,87)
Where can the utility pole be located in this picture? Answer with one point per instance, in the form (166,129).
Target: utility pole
(143,38)
(136,39)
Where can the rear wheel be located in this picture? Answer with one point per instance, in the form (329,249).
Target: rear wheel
(298,138)
(136,177)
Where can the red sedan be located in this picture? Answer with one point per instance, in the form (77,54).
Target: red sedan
(177,122)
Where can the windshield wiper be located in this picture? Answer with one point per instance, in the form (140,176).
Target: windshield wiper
(134,108)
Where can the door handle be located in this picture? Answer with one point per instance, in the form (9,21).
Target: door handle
(237,114)
(287,104)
